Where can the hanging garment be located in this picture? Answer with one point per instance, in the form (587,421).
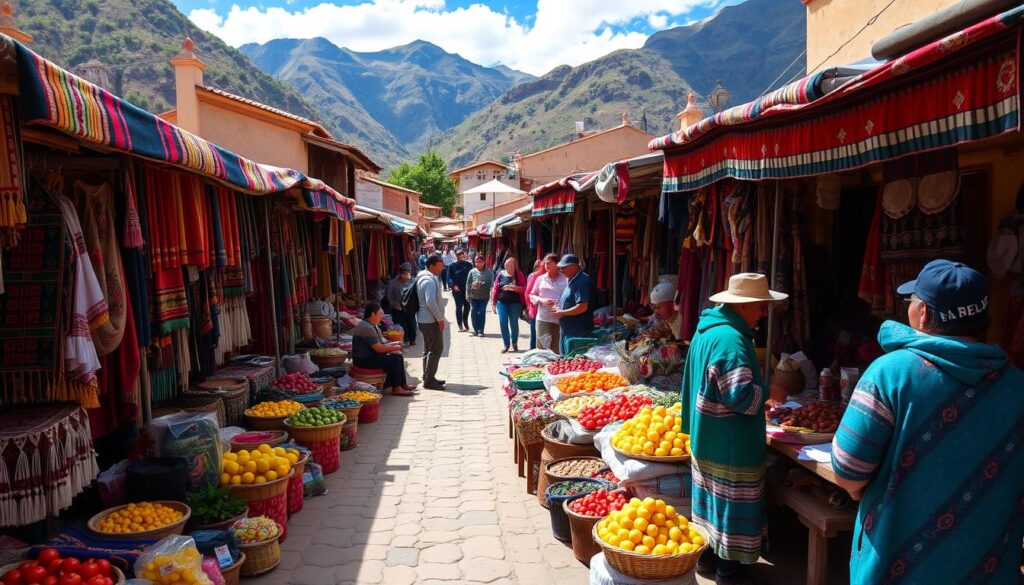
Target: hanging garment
(12,204)
(873,288)
(132,237)
(97,205)
(89,308)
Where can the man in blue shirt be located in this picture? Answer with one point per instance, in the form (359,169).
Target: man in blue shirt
(574,313)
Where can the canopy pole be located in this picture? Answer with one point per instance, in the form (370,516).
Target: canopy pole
(270,273)
(615,266)
(775,261)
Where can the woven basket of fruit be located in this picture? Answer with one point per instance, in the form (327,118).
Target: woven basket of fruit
(231,573)
(328,357)
(528,378)
(147,520)
(641,557)
(315,426)
(270,415)
(394,334)
(584,513)
(258,538)
(654,434)
(115,575)
(252,440)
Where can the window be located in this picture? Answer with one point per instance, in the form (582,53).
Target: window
(408,206)
(481,175)
(483,197)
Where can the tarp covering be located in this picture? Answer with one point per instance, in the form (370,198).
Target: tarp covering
(54,98)
(558,196)
(396,224)
(961,88)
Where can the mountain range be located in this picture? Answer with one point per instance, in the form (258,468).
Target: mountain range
(399,102)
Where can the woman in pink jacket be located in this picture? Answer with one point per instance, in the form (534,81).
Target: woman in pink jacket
(531,307)
(507,296)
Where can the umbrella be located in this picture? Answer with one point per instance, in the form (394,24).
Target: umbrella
(450,230)
(495,186)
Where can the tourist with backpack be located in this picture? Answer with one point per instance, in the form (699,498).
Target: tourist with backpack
(430,318)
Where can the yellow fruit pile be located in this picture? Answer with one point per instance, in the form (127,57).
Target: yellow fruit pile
(278,408)
(656,431)
(139,517)
(263,464)
(360,395)
(181,568)
(649,527)
(573,406)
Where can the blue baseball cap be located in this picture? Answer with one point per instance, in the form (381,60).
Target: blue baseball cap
(953,289)
(568,260)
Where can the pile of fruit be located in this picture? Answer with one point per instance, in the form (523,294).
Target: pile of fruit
(360,395)
(576,467)
(255,529)
(573,487)
(139,518)
(654,431)
(318,416)
(296,383)
(50,569)
(573,406)
(576,364)
(272,409)
(598,503)
(396,334)
(343,404)
(605,474)
(818,417)
(263,464)
(185,566)
(591,382)
(649,527)
(622,407)
(527,374)
(327,352)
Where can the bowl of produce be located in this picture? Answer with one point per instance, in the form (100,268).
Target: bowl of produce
(312,425)
(576,364)
(394,334)
(328,357)
(258,539)
(528,378)
(252,439)
(587,383)
(149,520)
(571,407)
(270,415)
(559,492)
(654,434)
(586,511)
(296,383)
(621,407)
(214,508)
(50,563)
(810,424)
(261,465)
(629,538)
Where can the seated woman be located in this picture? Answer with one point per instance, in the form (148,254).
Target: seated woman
(369,350)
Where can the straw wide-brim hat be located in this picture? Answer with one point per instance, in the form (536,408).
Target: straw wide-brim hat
(748,287)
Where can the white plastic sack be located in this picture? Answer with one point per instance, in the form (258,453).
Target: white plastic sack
(601,573)
(632,471)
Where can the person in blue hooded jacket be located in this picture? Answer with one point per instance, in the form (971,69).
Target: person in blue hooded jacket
(932,443)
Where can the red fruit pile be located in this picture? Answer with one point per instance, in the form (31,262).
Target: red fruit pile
(598,503)
(606,475)
(622,407)
(576,364)
(50,569)
(296,383)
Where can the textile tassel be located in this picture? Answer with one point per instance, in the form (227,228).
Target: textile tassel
(132,237)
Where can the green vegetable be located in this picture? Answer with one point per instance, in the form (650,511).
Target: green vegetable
(318,416)
(214,504)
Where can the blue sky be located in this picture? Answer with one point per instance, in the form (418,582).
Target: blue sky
(530,35)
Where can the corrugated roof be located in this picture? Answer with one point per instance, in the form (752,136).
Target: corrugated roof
(587,137)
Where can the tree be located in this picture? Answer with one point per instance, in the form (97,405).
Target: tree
(430,177)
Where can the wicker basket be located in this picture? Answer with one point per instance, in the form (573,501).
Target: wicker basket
(155,534)
(268,499)
(260,557)
(581,530)
(296,494)
(265,423)
(322,327)
(329,361)
(164,411)
(554,450)
(280,438)
(547,478)
(233,392)
(199,403)
(630,370)
(230,574)
(650,566)
(371,376)
(302,435)
(116,575)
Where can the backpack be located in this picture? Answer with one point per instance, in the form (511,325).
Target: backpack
(411,297)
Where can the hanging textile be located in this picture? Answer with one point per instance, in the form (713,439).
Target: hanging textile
(132,237)
(89,308)
(12,203)
(46,459)
(97,205)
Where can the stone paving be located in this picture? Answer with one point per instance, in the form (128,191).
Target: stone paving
(431,494)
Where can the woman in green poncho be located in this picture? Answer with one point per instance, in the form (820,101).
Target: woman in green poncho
(723,400)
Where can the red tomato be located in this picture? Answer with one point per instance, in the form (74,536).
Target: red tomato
(12,577)
(49,580)
(47,556)
(26,565)
(33,574)
(70,579)
(54,567)
(104,565)
(70,565)
(89,570)
(97,580)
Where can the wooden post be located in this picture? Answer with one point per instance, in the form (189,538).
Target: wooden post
(771,282)
(270,272)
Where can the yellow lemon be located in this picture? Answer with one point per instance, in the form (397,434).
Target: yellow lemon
(271,475)
(292,458)
(248,477)
(282,470)
(250,466)
(231,456)
(236,479)
(262,466)
(261,479)
(280,452)
(265,448)
(626,545)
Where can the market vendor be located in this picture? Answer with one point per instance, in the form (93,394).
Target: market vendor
(370,350)
(663,297)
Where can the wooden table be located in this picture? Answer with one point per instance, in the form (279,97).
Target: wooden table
(822,520)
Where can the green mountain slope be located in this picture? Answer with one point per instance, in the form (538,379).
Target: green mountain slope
(414,91)
(135,39)
(745,46)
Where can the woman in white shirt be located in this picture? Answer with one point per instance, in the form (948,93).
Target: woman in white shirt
(544,293)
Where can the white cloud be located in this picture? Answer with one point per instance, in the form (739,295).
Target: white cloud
(561,32)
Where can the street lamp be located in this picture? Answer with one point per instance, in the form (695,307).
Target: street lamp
(719,97)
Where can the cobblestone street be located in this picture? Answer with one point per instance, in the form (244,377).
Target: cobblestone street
(431,494)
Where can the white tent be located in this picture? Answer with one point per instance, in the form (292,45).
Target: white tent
(495,186)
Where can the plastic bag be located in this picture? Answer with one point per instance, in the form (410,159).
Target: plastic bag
(111,484)
(313,480)
(212,570)
(174,559)
(298,363)
(602,573)
(219,544)
(194,438)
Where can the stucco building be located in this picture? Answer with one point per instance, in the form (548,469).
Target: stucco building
(376,194)
(477,174)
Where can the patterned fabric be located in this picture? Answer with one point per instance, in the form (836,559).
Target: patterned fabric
(97,205)
(961,88)
(559,200)
(929,402)
(723,410)
(55,98)
(12,204)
